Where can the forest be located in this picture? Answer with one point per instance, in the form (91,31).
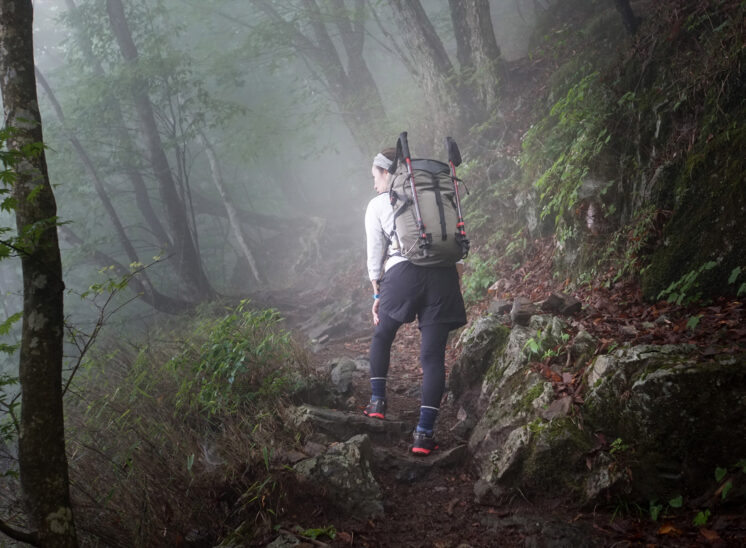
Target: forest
(186,312)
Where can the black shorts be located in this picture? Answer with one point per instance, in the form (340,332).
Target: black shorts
(431,294)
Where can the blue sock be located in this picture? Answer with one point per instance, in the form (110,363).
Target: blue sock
(427,419)
(378,388)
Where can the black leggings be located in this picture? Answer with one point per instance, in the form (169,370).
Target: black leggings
(432,356)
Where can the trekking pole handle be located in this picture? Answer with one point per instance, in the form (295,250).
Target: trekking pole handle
(403,145)
(454,154)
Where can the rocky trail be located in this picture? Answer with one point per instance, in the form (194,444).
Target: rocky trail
(402,500)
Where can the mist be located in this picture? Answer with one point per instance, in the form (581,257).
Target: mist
(283,146)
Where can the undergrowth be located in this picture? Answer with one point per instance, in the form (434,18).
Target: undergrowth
(186,429)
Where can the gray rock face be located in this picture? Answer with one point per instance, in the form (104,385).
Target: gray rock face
(345,472)
(683,416)
(341,425)
(342,374)
(522,310)
(676,416)
(478,343)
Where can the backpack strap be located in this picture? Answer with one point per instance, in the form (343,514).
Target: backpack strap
(441,213)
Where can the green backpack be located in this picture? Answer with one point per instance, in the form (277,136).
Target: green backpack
(428,224)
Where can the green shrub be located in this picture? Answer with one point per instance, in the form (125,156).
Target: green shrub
(160,435)
(243,358)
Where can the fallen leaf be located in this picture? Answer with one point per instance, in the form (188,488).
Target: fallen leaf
(344,537)
(668,529)
(709,534)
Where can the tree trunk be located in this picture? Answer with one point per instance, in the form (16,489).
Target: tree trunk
(41,444)
(187,257)
(478,54)
(436,74)
(233,220)
(631,23)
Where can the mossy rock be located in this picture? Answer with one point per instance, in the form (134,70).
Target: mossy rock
(680,417)
(709,209)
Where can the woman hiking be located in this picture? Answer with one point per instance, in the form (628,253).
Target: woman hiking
(403,291)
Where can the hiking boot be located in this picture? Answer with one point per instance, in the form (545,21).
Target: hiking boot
(376,409)
(424,443)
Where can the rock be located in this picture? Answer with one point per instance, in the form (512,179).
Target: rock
(341,425)
(605,480)
(676,413)
(499,307)
(558,408)
(345,474)
(522,311)
(561,303)
(313,449)
(313,390)
(409,468)
(362,364)
(582,348)
(464,424)
(342,374)
(483,338)
(542,531)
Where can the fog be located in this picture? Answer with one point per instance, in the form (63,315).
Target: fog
(256,82)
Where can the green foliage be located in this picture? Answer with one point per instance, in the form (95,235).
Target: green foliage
(693,322)
(701,519)
(657,508)
(618,446)
(204,404)
(734,276)
(478,277)
(539,346)
(571,138)
(242,359)
(9,406)
(686,289)
(328,531)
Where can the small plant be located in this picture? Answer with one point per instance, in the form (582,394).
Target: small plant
(480,276)
(701,519)
(734,275)
(618,446)
(693,322)
(685,289)
(657,509)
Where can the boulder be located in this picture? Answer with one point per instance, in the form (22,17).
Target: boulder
(341,425)
(478,342)
(408,468)
(341,375)
(561,303)
(344,473)
(680,416)
(522,310)
(498,307)
(676,415)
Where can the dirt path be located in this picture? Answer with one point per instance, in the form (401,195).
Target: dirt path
(438,509)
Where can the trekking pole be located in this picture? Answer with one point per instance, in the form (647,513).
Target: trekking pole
(454,159)
(403,144)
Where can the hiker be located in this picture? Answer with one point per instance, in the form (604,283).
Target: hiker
(403,291)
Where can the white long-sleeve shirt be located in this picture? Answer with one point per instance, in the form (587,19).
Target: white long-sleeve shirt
(379,223)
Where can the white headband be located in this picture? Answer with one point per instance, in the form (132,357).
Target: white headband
(381,161)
